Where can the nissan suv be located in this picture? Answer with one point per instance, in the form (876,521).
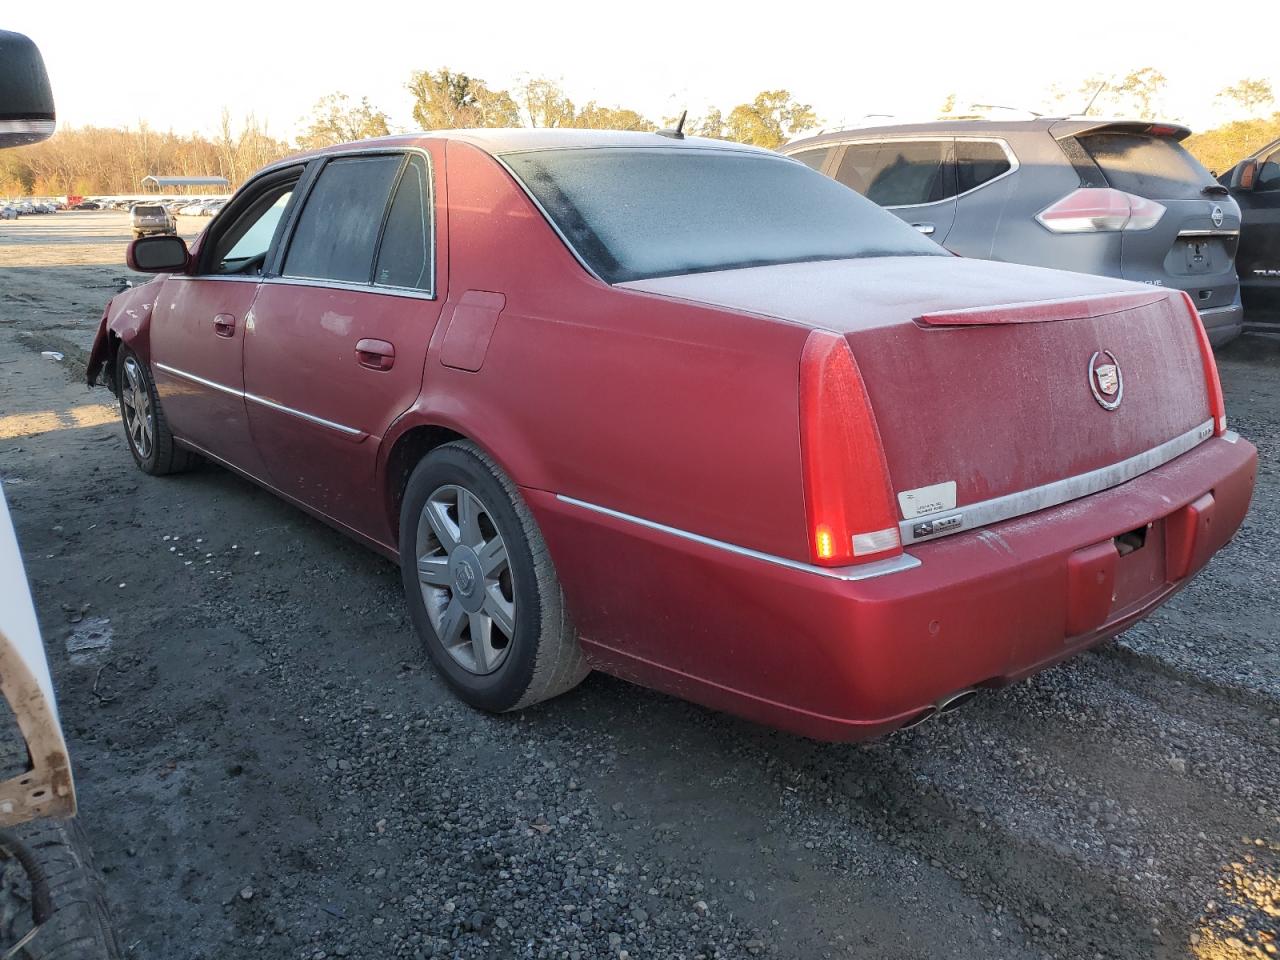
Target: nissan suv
(1114,198)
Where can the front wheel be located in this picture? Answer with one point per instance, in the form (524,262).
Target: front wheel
(481,589)
(145,427)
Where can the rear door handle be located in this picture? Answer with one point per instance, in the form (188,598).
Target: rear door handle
(224,325)
(925,228)
(375,354)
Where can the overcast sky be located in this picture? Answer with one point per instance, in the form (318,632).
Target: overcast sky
(176,65)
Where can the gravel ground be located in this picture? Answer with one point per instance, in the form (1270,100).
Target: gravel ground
(268,768)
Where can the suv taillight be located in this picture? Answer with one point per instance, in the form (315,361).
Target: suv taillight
(847,493)
(1100,209)
(1212,383)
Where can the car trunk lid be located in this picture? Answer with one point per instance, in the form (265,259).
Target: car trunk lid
(985,377)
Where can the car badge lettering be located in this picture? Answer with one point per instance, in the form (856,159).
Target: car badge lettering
(1216,215)
(931,527)
(1105,379)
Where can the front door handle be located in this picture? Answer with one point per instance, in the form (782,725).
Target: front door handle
(375,354)
(925,228)
(224,325)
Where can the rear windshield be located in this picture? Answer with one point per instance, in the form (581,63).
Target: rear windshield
(636,213)
(1153,167)
(148,211)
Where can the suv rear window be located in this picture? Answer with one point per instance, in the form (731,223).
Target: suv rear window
(636,213)
(1153,167)
(149,211)
(979,162)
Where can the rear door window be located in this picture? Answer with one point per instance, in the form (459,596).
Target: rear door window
(979,162)
(338,228)
(1157,168)
(899,173)
(406,257)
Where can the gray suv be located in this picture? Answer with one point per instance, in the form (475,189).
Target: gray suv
(1116,198)
(146,219)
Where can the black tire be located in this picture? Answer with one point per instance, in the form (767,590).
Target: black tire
(162,456)
(544,658)
(79,926)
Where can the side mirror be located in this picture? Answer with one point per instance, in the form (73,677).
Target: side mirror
(1245,175)
(26,102)
(157,255)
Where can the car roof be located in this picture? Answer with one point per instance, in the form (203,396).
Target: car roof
(501,140)
(1057,127)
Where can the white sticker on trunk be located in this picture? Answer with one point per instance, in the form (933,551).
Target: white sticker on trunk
(931,499)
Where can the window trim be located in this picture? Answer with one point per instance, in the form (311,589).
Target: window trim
(245,198)
(999,141)
(273,274)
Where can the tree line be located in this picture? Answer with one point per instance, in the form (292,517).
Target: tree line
(106,160)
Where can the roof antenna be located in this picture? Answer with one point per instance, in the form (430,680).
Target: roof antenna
(1096,94)
(678,132)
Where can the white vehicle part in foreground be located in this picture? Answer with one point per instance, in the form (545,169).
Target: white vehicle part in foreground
(46,788)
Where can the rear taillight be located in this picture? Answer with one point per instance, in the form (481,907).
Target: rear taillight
(1100,209)
(1212,383)
(848,497)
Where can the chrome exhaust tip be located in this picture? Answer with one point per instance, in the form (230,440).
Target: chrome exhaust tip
(956,700)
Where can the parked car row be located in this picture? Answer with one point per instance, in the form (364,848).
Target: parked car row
(27,208)
(198,208)
(864,479)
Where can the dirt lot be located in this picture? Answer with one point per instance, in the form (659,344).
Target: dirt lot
(267,768)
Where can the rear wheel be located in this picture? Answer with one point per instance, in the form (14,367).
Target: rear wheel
(481,589)
(145,428)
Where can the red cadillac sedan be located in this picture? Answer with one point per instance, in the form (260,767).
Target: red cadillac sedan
(687,412)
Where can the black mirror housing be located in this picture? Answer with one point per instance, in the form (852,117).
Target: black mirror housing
(1245,175)
(162,254)
(26,100)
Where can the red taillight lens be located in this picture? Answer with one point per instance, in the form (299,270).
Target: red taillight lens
(1100,209)
(847,494)
(1212,383)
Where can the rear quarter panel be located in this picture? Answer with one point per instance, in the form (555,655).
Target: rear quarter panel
(680,414)
(1005,212)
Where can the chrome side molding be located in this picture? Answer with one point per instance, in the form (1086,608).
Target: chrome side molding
(865,571)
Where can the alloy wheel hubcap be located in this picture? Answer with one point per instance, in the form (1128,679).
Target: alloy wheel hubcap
(465,576)
(139,419)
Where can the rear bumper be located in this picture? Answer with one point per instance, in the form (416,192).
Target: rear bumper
(838,659)
(1223,324)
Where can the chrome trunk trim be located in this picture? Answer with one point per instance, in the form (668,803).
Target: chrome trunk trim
(974,515)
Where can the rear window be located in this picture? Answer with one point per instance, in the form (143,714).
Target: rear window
(637,213)
(1153,167)
(149,211)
